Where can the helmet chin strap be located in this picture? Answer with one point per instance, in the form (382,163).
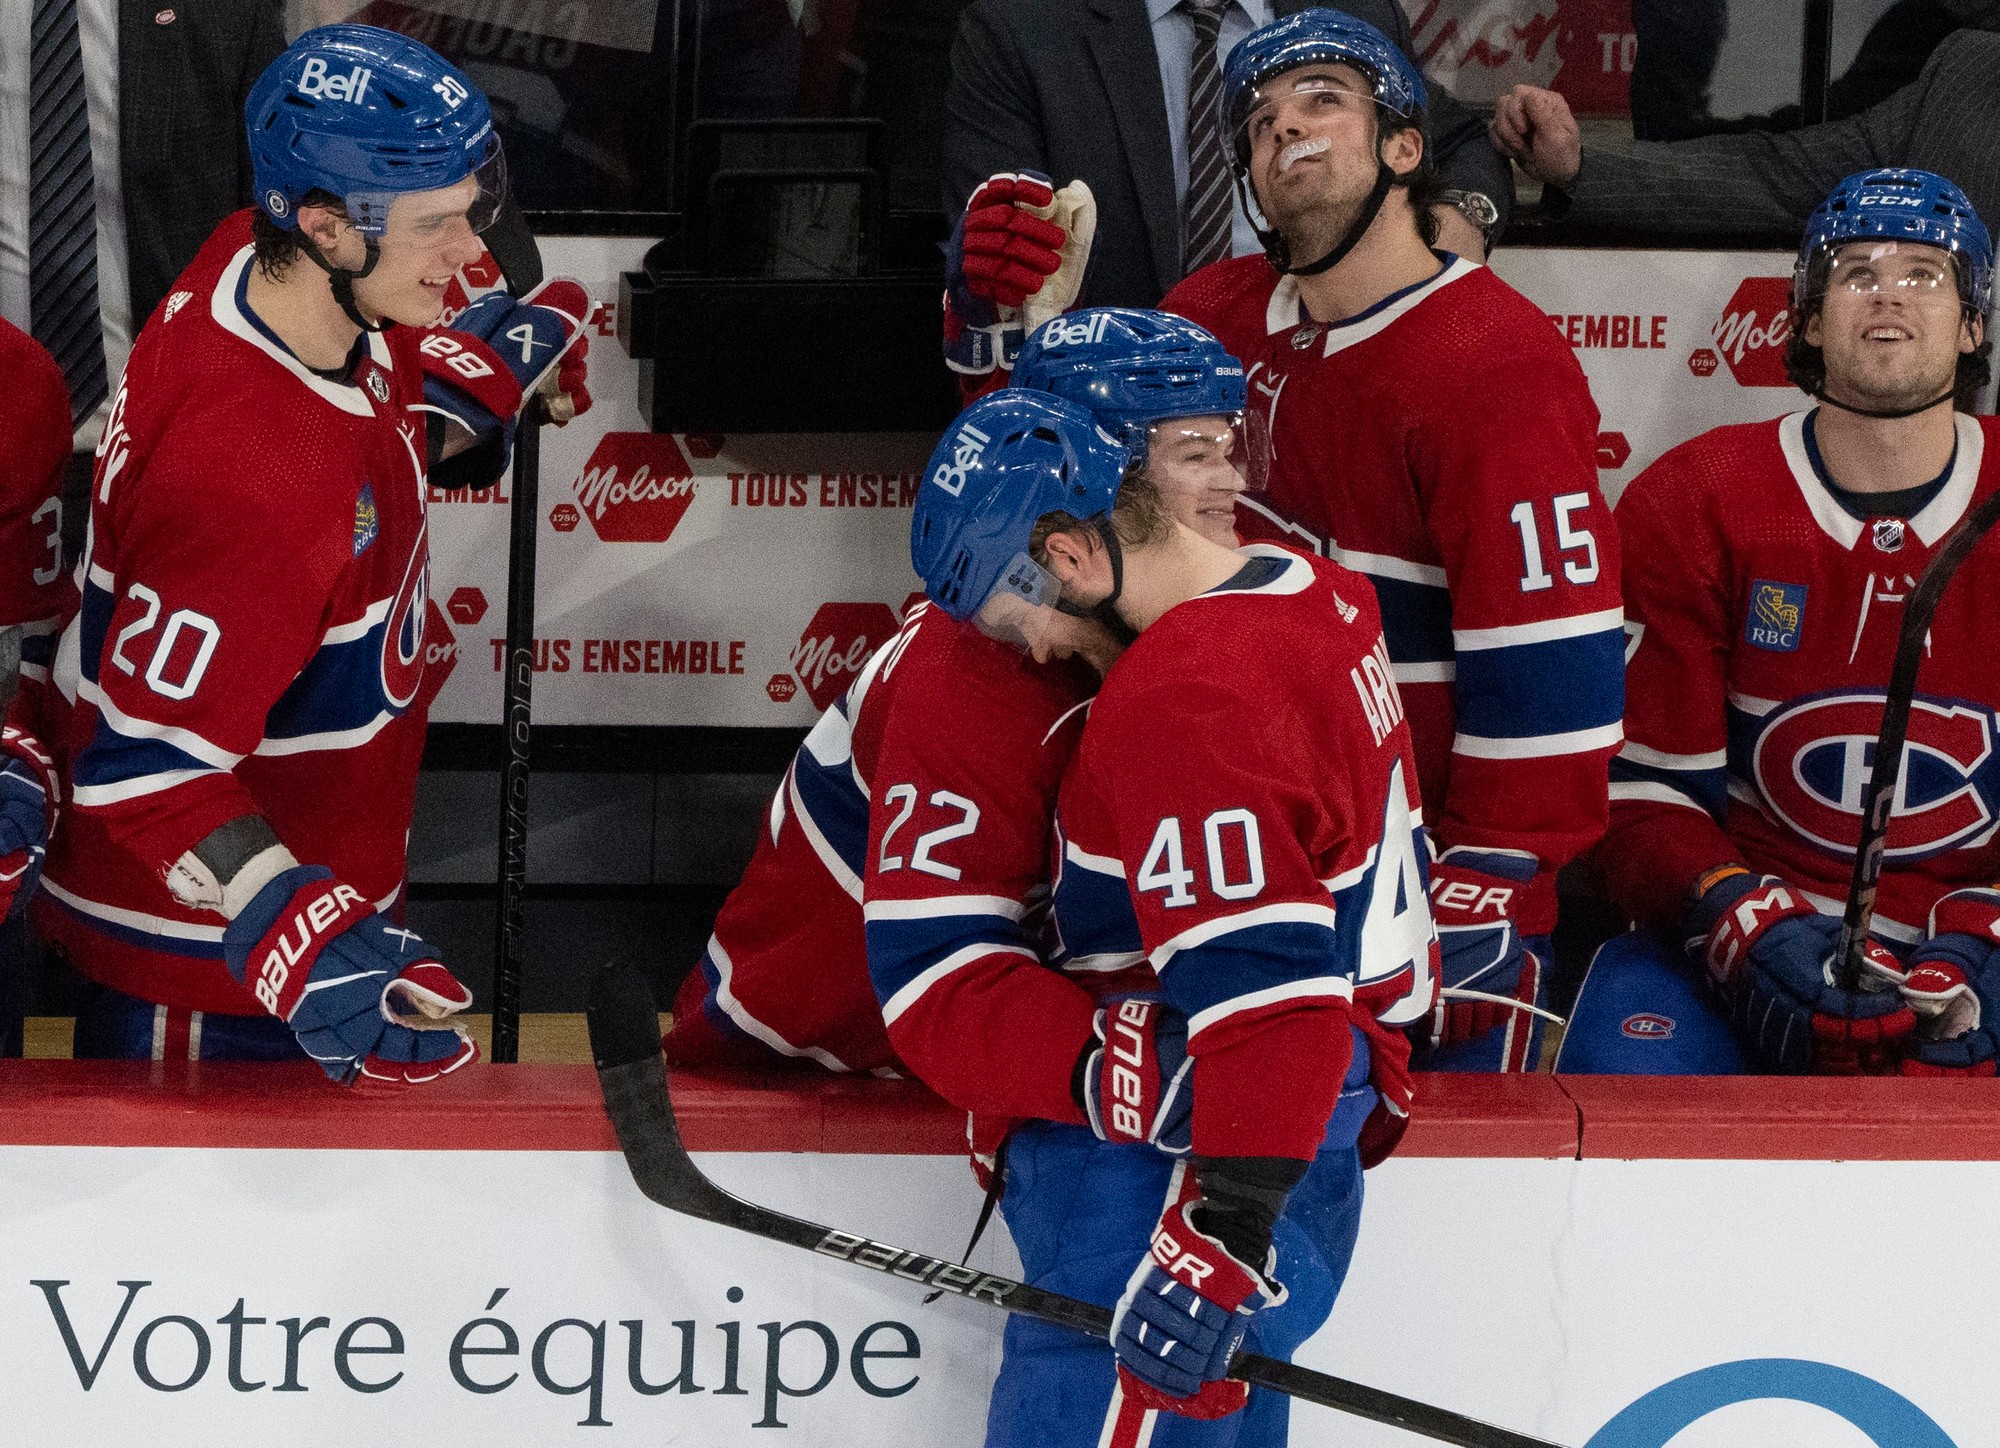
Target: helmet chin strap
(1821,393)
(343,279)
(1105,610)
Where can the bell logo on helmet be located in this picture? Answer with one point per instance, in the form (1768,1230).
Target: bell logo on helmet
(971,444)
(1062,332)
(315,81)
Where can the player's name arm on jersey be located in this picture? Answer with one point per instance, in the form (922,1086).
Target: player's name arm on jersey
(1530,559)
(1670,779)
(190,640)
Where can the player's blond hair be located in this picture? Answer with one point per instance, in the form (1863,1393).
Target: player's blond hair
(1140,517)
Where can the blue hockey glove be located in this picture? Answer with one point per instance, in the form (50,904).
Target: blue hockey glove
(1138,1079)
(364,997)
(1953,987)
(1184,1314)
(1770,954)
(28,799)
(499,350)
(1474,894)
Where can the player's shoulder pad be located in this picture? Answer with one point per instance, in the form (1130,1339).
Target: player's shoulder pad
(1222,292)
(37,395)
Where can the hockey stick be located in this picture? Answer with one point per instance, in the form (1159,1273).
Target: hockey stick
(1881,795)
(514,249)
(625,1043)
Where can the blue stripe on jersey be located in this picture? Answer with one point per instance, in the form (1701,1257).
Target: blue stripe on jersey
(1744,727)
(905,947)
(112,758)
(94,621)
(340,688)
(1416,620)
(1552,686)
(1093,913)
(836,805)
(38,649)
(1706,789)
(1233,968)
(135,935)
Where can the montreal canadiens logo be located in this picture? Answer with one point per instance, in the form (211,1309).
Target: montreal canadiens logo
(1813,757)
(1646,1026)
(403,638)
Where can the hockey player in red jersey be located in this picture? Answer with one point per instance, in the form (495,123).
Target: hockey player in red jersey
(245,664)
(1427,423)
(1769,565)
(1240,929)
(944,708)
(34,448)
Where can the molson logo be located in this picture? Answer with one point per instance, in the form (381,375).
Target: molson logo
(836,646)
(635,488)
(440,654)
(1752,331)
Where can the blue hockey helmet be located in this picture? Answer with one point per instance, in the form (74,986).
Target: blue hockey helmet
(1895,204)
(368,115)
(1131,368)
(1009,458)
(1322,36)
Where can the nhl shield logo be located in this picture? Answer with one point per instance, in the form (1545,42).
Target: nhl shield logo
(378,386)
(1888,534)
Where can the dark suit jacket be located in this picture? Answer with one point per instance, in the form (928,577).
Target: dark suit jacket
(1072,88)
(184,158)
(1757,183)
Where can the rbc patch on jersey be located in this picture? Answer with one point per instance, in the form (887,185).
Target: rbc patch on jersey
(1776,611)
(367,523)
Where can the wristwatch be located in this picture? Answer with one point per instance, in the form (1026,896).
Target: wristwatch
(1476,207)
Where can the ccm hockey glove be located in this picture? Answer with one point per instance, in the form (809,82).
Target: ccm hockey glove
(29,796)
(1137,1079)
(1185,1311)
(1770,954)
(1953,987)
(363,997)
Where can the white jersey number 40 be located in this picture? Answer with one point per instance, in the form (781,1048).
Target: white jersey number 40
(1165,866)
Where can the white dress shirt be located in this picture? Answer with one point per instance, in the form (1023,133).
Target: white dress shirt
(97,29)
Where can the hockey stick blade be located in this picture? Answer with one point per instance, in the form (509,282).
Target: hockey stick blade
(625,1044)
(1869,846)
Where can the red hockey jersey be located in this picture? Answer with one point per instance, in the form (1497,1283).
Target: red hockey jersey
(966,741)
(250,634)
(1444,444)
(1764,618)
(1241,814)
(34,449)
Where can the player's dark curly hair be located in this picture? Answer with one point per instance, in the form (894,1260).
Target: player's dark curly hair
(1140,516)
(277,248)
(1805,364)
(1425,183)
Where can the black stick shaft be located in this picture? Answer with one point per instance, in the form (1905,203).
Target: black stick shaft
(632,1073)
(1888,765)
(517,683)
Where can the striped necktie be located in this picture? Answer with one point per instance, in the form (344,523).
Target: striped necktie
(62,208)
(1208,194)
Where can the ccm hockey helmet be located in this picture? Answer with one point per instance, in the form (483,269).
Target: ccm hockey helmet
(1895,204)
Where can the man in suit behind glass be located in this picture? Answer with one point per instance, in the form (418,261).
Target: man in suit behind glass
(1097,90)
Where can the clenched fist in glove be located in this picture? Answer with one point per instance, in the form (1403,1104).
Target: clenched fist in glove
(363,997)
(1185,1311)
(1016,258)
(1770,954)
(1952,984)
(1137,1080)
